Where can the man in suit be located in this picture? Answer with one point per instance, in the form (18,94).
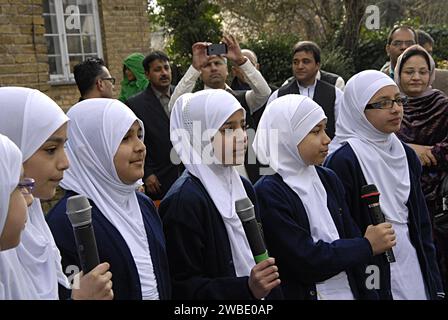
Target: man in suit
(151,106)
(305,66)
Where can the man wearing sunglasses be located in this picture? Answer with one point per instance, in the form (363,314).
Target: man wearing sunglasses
(93,79)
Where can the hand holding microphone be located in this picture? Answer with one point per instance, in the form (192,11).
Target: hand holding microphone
(94,282)
(264,276)
(381,235)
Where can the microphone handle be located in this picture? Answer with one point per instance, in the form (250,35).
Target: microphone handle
(87,250)
(377,218)
(255,240)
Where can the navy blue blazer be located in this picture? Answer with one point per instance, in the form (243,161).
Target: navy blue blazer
(198,247)
(346,165)
(301,261)
(113,249)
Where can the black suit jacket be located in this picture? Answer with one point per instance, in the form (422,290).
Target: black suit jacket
(148,108)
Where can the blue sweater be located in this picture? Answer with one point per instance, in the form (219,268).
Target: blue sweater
(301,261)
(198,247)
(346,165)
(113,249)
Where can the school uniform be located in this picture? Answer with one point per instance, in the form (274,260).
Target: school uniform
(319,250)
(128,232)
(207,247)
(365,155)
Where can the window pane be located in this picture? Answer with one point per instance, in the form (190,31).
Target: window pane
(87,25)
(74,60)
(51,25)
(89,44)
(85,6)
(74,44)
(55,63)
(53,45)
(49,6)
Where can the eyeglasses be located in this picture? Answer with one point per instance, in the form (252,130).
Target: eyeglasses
(387,104)
(26,186)
(399,43)
(111,79)
(410,73)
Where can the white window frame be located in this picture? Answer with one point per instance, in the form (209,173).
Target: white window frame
(67,76)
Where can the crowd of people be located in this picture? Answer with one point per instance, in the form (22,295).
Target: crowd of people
(163,166)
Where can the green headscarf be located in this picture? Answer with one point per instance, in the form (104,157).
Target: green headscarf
(128,88)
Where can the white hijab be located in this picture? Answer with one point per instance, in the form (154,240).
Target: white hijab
(13,279)
(29,118)
(97,127)
(210,109)
(382,156)
(284,124)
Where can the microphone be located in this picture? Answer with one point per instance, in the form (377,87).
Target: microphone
(371,196)
(80,215)
(245,210)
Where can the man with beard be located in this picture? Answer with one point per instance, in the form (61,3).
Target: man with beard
(151,106)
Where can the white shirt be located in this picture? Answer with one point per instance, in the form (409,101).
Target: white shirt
(309,92)
(255,98)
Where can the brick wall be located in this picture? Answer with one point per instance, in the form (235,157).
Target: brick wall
(23,51)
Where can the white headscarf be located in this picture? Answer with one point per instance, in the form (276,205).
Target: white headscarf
(382,156)
(211,109)
(29,118)
(284,124)
(13,279)
(97,127)
(10,167)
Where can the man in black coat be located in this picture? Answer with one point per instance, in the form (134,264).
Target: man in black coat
(151,106)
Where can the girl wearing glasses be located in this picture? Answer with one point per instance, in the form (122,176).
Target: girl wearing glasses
(38,126)
(424,129)
(371,153)
(13,216)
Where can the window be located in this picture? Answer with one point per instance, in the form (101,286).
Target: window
(72,33)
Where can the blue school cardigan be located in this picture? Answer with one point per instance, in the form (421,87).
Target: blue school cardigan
(346,165)
(198,247)
(113,249)
(302,262)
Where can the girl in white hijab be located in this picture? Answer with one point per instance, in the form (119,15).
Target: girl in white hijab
(13,215)
(106,153)
(37,125)
(207,248)
(370,153)
(302,207)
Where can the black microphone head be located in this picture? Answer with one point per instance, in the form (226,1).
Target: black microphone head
(79,210)
(370,193)
(245,209)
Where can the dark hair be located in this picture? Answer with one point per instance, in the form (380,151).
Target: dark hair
(391,33)
(424,38)
(86,73)
(155,55)
(308,46)
(417,51)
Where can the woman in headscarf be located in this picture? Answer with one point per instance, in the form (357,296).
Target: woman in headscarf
(308,228)
(208,250)
(424,129)
(106,153)
(134,78)
(13,215)
(38,126)
(370,153)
